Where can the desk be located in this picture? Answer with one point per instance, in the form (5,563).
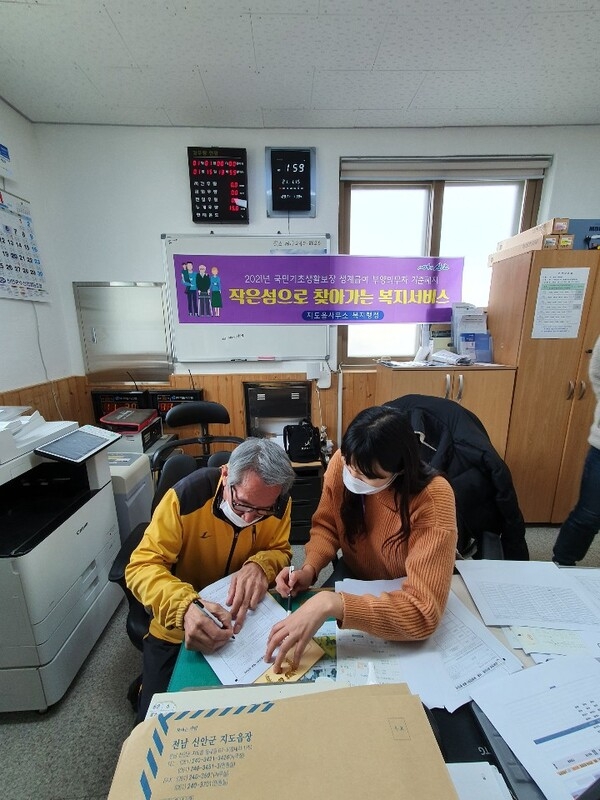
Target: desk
(192,670)
(458,734)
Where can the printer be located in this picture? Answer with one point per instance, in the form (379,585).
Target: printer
(58,538)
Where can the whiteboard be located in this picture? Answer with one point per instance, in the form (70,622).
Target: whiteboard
(206,342)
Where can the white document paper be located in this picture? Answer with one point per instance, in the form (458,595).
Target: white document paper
(478,781)
(551,641)
(559,303)
(589,581)
(532,593)
(241,659)
(549,715)
(442,670)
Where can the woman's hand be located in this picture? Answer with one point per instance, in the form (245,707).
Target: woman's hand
(293,633)
(299,580)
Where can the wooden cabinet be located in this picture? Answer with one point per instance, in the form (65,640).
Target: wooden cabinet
(486,391)
(553,403)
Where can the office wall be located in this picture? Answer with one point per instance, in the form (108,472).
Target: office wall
(103,195)
(33,336)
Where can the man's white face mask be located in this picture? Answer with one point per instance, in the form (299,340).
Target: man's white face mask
(240,522)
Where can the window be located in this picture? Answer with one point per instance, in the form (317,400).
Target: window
(466,212)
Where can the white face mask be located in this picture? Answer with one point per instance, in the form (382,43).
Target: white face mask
(240,522)
(356,486)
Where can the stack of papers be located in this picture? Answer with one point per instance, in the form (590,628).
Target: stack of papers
(443,670)
(15,429)
(548,714)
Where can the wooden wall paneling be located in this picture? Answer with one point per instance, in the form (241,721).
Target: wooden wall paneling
(358,391)
(70,398)
(229,390)
(66,398)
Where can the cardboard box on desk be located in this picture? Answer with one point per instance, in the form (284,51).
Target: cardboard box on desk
(365,741)
(555,225)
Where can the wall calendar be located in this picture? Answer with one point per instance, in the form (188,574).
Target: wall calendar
(21,273)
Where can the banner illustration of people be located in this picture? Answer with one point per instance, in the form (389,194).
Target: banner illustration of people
(310,289)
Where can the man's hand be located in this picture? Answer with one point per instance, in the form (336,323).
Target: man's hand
(246,590)
(201,633)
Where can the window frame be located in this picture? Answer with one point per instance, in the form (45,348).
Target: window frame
(529,211)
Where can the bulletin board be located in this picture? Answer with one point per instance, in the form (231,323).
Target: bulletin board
(203,342)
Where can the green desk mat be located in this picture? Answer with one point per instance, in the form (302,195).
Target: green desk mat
(192,671)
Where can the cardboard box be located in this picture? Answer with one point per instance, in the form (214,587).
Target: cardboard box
(535,243)
(555,225)
(550,241)
(565,241)
(586,233)
(348,744)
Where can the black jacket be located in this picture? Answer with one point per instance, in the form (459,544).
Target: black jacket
(455,442)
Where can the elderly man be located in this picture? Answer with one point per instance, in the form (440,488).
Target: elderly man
(233,520)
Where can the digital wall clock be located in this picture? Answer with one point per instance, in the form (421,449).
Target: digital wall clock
(218,184)
(291,181)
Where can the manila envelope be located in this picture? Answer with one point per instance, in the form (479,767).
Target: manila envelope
(362,741)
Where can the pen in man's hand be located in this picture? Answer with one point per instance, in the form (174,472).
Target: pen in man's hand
(289,600)
(207,613)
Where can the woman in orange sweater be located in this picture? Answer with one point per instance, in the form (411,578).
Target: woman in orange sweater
(392,516)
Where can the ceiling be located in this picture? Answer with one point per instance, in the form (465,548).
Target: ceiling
(302,63)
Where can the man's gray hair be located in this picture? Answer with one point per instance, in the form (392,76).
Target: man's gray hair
(264,457)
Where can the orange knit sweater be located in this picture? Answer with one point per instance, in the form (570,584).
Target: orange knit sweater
(426,559)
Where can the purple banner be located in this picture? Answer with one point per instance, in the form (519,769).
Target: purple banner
(327,289)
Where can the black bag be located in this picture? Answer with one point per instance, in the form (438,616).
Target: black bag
(302,442)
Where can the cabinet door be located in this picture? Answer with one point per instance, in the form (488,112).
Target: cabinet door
(488,394)
(393,383)
(547,375)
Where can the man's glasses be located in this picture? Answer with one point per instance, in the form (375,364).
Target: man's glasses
(245,508)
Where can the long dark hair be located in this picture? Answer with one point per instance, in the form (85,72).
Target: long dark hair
(382,438)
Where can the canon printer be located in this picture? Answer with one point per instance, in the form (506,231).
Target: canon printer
(58,538)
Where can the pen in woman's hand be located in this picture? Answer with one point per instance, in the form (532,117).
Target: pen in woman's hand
(289,600)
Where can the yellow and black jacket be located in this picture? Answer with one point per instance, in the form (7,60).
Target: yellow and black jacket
(190,543)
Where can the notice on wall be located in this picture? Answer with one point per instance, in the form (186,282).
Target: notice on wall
(559,303)
(314,289)
(21,273)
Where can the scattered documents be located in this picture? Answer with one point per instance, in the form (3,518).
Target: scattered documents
(549,715)
(528,593)
(241,660)
(442,670)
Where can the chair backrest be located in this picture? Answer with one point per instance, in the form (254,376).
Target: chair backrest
(455,442)
(201,413)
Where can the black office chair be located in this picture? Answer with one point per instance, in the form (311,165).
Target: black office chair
(455,442)
(201,413)
(176,467)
